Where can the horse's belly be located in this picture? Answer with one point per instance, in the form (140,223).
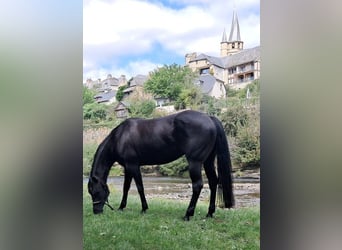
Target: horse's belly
(160,156)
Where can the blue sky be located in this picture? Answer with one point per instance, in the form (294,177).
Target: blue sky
(133,37)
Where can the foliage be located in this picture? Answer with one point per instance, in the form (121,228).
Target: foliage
(141,108)
(157,113)
(161,227)
(168,81)
(189,98)
(234,118)
(120,93)
(254,88)
(174,168)
(243,127)
(210,105)
(88,155)
(239,116)
(247,148)
(88,95)
(95,111)
(241,123)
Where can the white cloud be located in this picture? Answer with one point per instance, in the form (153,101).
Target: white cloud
(131,28)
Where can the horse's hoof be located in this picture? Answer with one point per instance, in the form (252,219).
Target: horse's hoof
(209,216)
(186,218)
(120,209)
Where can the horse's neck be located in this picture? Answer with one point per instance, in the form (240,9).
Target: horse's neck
(102,164)
(101,172)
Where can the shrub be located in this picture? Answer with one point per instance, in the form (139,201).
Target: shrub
(88,95)
(174,168)
(142,108)
(120,94)
(246,151)
(234,118)
(95,111)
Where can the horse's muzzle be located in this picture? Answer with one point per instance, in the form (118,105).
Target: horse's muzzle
(97,210)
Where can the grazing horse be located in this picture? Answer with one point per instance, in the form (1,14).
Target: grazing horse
(136,142)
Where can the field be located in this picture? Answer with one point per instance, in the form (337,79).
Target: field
(162,227)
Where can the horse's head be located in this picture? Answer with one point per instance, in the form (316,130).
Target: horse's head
(99,193)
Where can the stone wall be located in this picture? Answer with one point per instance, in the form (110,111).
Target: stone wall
(95,135)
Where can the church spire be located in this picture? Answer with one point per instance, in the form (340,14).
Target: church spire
(224,36)
(234,44)
(235,25)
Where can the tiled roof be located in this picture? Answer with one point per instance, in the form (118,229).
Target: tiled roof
(138,80)
(105,96)
(206,82)
(244,56)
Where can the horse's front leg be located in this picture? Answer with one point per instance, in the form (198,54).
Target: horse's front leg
(126,186)
(139,183)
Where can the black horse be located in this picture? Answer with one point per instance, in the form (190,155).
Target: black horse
(136,142)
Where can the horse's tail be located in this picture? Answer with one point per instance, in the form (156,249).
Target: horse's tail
(224,165)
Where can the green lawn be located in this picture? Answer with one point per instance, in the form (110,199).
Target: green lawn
(162,227)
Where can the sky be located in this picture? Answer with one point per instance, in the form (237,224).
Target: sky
(131,37)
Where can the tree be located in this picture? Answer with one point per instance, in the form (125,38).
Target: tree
(88,95)
(120,94)
(168,81)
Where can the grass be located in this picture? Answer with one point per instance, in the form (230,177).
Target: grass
(162,227)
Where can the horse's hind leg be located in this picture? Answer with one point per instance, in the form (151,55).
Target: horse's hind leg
(212,180)
(197,185)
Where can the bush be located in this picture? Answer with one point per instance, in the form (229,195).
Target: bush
(95,111)
(120,94)
(234,118)
(88,95)
(174,168)
(246,151)
(142,108)
(210,105)
(188,98)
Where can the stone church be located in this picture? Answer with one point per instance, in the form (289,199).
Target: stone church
(235,68)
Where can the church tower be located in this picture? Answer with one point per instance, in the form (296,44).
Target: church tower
(234,44)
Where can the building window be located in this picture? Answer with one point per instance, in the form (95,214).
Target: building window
(232,70)
(204,71)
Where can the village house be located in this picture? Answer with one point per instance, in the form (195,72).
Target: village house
(106,89)
(235,67)
(136,85)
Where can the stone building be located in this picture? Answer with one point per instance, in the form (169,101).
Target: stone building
(235,67)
